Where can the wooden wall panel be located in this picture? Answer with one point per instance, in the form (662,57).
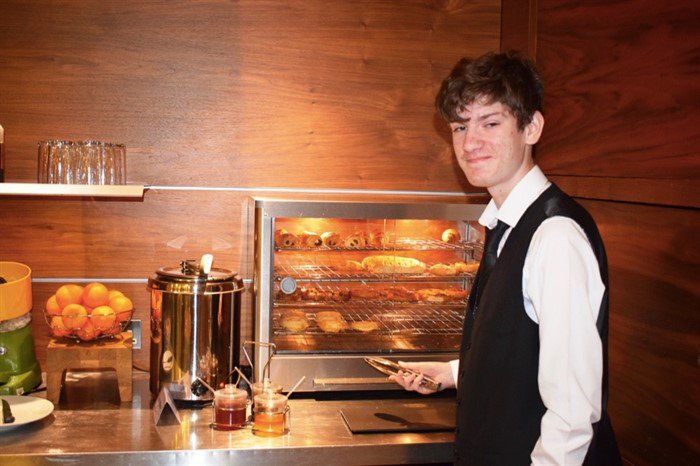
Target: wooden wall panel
(654,329)
(623,96)
(249,93)
(621,110)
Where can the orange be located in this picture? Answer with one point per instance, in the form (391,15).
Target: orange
(69,294)
(95,294)
(52,307)
(103,318)
(113,330)
(57,327)
(122,307)
(74,316)
(113,293)
(87,331)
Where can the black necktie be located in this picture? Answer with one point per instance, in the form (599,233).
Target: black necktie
(488,260)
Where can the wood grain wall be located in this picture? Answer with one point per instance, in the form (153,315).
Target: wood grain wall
(622,109)
(217,101)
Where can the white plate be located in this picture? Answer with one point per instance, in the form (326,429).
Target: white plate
(25,409)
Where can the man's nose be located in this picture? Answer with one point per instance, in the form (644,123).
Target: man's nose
(470,142)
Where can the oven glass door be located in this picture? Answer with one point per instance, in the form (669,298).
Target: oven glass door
(371,286)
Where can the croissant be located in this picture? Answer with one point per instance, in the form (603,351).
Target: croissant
(284,239)
(330,239)
(355,241)
(310,239)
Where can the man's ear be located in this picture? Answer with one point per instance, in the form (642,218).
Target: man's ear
(533,130)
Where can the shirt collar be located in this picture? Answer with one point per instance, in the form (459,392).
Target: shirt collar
(519,199)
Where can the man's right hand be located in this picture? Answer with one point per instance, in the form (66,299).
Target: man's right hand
(439,371)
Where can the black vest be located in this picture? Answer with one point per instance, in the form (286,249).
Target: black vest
(499,408)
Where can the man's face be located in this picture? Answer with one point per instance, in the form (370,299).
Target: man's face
(491,150)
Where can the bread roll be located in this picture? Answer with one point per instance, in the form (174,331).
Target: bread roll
(285,239)
(364,292)
(355,241)
(451,236)
(310,239)
(364,325)
(330,239)
(393,264)
(329,315)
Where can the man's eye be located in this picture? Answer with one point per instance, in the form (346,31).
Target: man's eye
(491,124)
(458,129)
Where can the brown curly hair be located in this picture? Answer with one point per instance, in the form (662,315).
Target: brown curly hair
(507,77)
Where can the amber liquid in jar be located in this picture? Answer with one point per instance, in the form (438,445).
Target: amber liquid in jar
(229,418)
(269,424)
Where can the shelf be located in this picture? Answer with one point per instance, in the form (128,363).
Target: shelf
(71,190)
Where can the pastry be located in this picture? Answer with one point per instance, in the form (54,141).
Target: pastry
(330,239)
(285,239)
(466,267)
(364,293)
(294,320)
(331,321)
(379,240)
(441,295)
(451,236)
(355,241)
(310,239)
(443,269)
(364,325)
(393,264)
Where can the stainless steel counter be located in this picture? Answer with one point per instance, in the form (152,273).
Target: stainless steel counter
(89,428)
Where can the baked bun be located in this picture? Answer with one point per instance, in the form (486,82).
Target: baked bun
(310,239)
(330,239)
(393,264)
(365,325)
(466,267)
(443,270)
(285,239)
(294,320)
(451,236)
(355,241)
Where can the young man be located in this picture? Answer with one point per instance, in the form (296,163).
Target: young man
(531,379)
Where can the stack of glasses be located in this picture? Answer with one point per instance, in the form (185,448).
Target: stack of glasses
(82,162)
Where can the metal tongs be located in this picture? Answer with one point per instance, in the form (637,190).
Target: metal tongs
(388,367)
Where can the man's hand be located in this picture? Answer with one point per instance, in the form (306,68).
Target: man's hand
(440,371)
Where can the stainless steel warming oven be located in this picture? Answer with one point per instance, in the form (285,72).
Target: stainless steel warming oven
(338,281)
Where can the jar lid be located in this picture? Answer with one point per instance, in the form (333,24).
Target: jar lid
(186,279)
(270,401)
(230,393)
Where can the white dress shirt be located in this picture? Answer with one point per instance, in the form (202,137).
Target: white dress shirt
(562,292)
